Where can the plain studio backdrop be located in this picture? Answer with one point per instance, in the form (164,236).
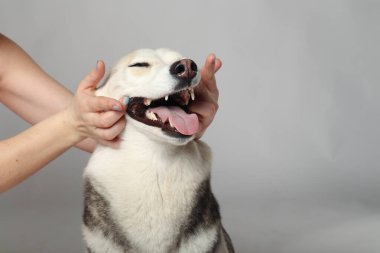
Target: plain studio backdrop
(296,140)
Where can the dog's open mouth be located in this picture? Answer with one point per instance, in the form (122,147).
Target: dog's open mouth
(170,113)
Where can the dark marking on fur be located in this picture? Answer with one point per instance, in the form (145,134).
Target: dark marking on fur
(205,212)
(228,240)
(216,243)
(89,250)
(96,215)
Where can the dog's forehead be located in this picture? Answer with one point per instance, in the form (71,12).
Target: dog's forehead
(149,55)
(168,56)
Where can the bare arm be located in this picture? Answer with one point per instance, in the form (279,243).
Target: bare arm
(63,120)
(27,152)
(81,116)
(28,91)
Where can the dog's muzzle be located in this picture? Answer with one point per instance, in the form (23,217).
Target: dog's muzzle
(171,112)
(184,70)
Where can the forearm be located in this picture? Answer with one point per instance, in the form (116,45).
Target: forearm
(25,88)
(28,91)
(61,119)
(29,151)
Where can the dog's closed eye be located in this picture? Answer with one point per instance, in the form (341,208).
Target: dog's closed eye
(140,64)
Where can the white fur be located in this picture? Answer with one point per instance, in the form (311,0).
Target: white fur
(200,241)
(149,182)
(139,182)
(96,240)
(153,82)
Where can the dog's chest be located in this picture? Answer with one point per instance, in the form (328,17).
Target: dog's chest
(151,194)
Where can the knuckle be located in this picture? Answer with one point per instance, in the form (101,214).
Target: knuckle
(112,132)
(213,108)
(123,123)
(104,123)
(108,135)
(216,92)
(110,118)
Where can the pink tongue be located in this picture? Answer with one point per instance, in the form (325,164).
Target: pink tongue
(186,124)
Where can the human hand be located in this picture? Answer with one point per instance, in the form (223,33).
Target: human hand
(206,94)
(99,118)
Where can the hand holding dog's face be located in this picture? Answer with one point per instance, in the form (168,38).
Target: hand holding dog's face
(100,118)
(161,85)
(207,94)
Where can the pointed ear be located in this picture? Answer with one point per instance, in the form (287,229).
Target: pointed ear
(110,87)
(101,90)
(106,88)
(103,83)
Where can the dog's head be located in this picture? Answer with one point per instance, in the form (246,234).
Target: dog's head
(160,84)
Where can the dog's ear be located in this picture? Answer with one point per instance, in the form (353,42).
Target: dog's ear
(101,89)
(104,81)
(108,87)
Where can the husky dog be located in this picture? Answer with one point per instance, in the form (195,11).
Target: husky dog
(153,194)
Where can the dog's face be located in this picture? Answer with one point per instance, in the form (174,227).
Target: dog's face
(160,84)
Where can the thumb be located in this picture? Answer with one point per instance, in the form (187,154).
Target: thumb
(92,79)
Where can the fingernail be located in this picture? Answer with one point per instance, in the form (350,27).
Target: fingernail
(213,59)
(126,100)
(116,108)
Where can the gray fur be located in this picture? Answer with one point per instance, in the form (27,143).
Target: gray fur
(96,215)
(204,215)
(205,212)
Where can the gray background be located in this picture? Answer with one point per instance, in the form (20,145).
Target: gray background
(297,137)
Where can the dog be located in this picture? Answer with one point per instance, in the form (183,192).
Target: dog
(153,194)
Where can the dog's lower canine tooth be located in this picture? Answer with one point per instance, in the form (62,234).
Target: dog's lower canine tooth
(150,115)
(192,94)
(147,101)
(166,98)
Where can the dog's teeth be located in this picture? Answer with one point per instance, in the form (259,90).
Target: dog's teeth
(150,115)
(166,98)
(192,94)
(147,101)
(170,123)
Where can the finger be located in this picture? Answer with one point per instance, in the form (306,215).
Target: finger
(115,143)
(218,65)
(209,67)
(206,112)
(103,104)
(111,133)
(105,119)
(92,79)
(200,132)
(208,72)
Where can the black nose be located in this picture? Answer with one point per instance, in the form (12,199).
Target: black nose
(185,69)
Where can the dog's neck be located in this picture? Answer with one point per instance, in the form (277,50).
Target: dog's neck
(139,153)
(137,144)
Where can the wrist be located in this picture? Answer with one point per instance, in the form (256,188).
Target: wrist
(72,126)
